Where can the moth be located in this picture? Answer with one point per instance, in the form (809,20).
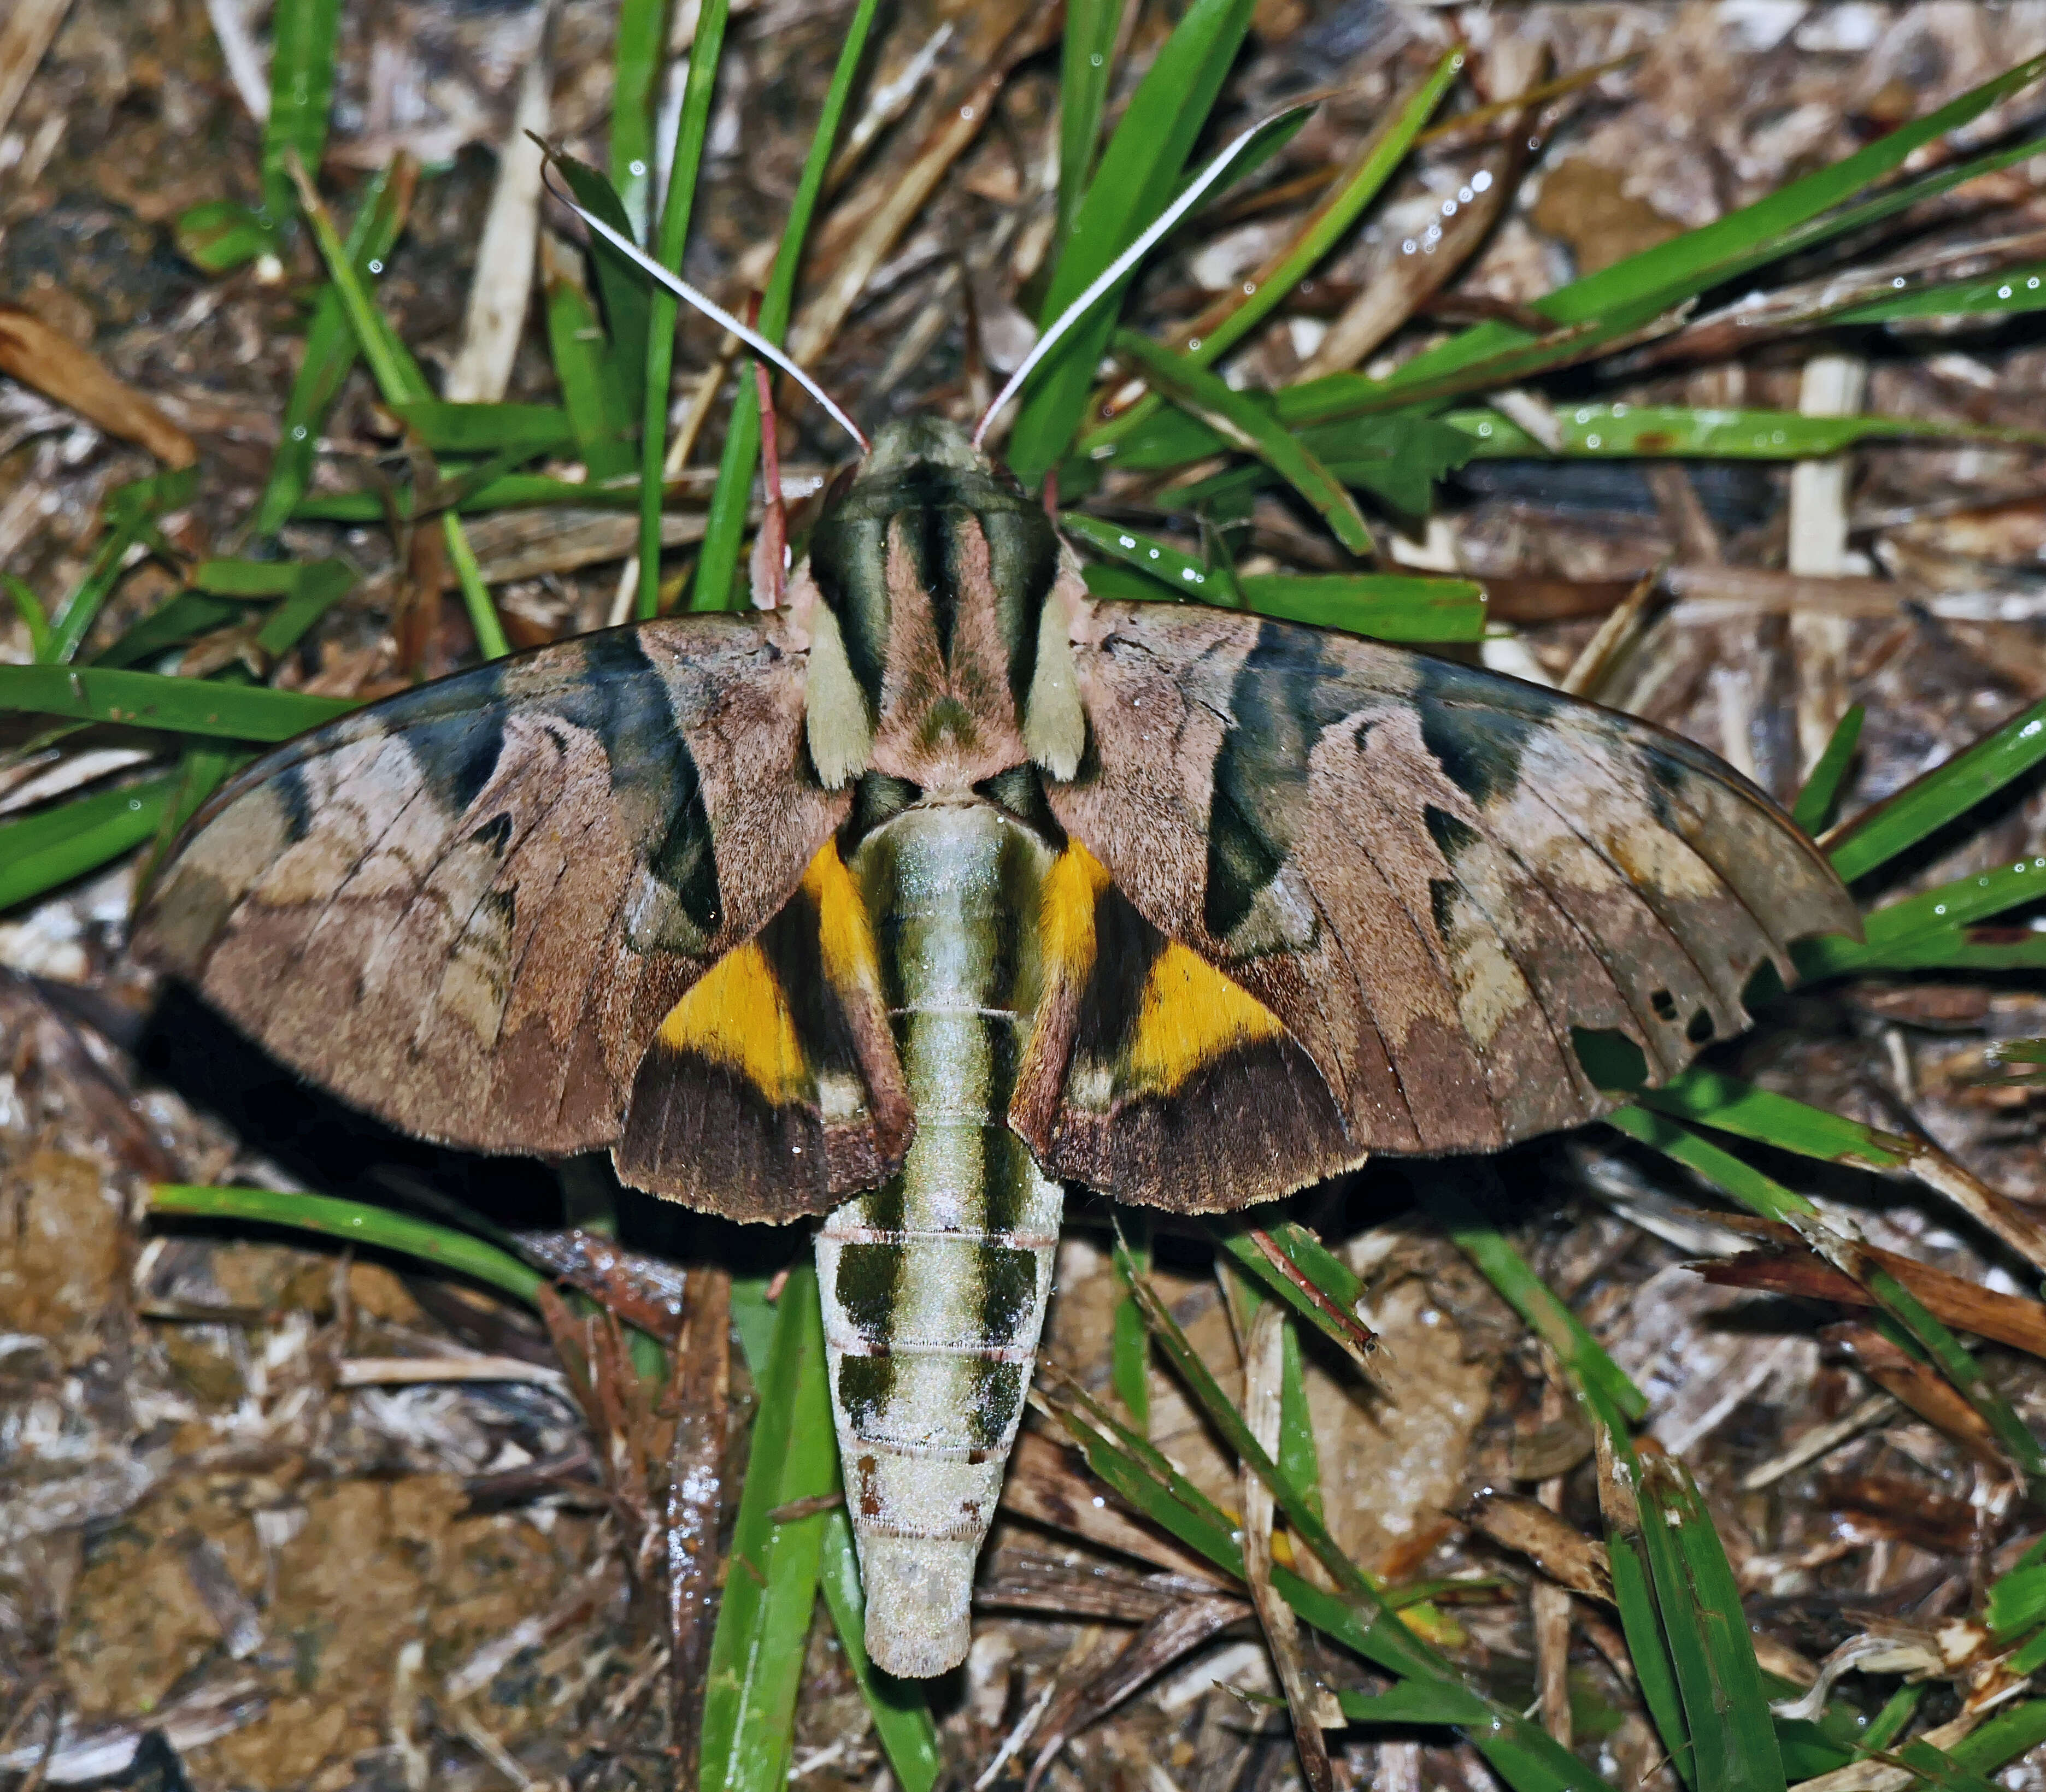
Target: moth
(943,883)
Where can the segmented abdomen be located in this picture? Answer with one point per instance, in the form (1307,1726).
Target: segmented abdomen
(934,1285)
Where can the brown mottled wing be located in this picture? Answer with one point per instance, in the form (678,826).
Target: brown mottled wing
(1437,880)
(469,908)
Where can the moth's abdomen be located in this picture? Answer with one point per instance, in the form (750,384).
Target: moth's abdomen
(935,1285)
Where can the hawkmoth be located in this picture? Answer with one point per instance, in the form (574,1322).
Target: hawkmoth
(943,883)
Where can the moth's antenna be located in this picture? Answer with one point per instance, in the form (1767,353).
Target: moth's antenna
(717,313)
(1063,325)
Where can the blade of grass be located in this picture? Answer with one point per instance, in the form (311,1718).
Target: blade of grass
(1725,1709)
(40,852)
(1624,431)
(1938,915)
(399,380)
(445,1247)
(1086,67)
(638,53)
(627,299)
(691,124)
(756,1656)
(29,608)
(1181,574)
(726,525)
(302,34)
(1246,423)
(147,699)
(131,511)
(1138,171)
(2017,289)
(1316,1286)
(485,429)
(1213,335)
(1582,1355)
(1385,606)
(1817,800)
(1927,804)
(1129,1361)
(329,349)
(1712,1098)
(591,389)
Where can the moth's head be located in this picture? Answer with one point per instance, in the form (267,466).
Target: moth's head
(936,635)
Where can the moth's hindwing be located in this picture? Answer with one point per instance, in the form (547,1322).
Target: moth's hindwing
(1437,880)
(1151,1074)
(772,1089)
(467,908)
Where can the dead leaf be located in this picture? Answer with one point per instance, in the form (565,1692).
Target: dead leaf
(1588,207)
(40,357)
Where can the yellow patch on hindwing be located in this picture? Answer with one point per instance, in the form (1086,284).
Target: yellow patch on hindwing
(735,1014)
(845,932)
(1189,1015)
(1065,920)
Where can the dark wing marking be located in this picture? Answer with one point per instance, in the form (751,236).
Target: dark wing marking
(1434,877)
(467,909)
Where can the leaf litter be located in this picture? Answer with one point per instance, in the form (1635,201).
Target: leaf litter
(215,1535)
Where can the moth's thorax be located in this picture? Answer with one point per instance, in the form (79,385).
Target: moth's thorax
(935,1285)
(926,585)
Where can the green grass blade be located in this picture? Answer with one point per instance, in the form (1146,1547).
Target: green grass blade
(1625,431)
(691,124)
(1138,172)
(1129,1358)
(1710,1098)
(41,852)
(1583,1358)
(29,608)
(355,1222)
(756,1655)
(400,381)
(132,510)
(1633,1588)
(1760,231)
(485,429)
(1320,1288)
(1893,933)
(2015,289)
(591,391)
(1086,68)
(1341,209)
(638,53)
(329,351)
(901,1712)
(2015,1730)
(1299,1456)
(217,236)
(1385,606)
(302,34)
(1246,423)
(725,528)
(147,699)
(1180,574)
(1725,1709)
(181,617)
(1330,222)
(1821,792)
(626,297)
(1929,803)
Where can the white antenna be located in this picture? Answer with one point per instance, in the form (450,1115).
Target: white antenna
(717,313)
(1062,325)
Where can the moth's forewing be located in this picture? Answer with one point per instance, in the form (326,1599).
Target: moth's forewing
(469,909)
